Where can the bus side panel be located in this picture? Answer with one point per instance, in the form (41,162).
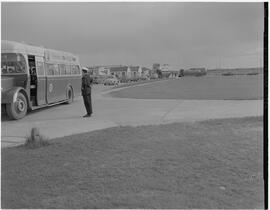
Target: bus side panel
(76,85)
(56,88)
(41,90)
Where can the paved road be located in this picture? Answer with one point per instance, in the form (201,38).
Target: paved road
(63,120)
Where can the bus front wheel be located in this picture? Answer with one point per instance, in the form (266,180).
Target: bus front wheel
(18,109)
(70,95)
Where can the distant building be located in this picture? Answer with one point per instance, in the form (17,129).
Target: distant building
(104,70)
(135,71)
(92,70)
(169,71)
(156,67)
(99,70)
(120,71)
(146,72)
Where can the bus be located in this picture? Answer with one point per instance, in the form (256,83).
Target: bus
(193,72)
(34,77)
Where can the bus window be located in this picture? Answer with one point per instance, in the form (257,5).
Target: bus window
(50,69)
(12,63)
(62,68)
(73,69)
(40,69)
(77,69)
(68,70)
(56,69)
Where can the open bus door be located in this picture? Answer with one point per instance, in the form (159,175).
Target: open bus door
(37,80)
(41,81)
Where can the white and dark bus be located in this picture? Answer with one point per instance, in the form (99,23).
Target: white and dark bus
(34,77)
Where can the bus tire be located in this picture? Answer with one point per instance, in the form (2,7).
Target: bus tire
(70,95)
(18,109)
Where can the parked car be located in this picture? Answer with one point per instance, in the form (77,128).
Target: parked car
(154,76)
(124,80)
(101,79)
(111,81)
(95,80)
(134,79)
(144,77)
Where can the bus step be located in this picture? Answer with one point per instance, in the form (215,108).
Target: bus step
(33,101)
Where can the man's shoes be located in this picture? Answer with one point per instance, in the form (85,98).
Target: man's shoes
(87,115)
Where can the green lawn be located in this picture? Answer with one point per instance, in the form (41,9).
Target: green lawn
(238,87)
(210,164)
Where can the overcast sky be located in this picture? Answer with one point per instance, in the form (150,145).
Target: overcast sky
(185,34)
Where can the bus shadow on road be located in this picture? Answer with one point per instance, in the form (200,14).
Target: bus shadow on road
(5,118)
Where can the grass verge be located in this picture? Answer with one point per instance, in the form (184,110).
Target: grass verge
(210,164)
(239,87)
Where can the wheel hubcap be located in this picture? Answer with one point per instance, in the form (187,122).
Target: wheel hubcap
(20,105)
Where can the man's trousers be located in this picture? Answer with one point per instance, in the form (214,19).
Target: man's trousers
(88,103)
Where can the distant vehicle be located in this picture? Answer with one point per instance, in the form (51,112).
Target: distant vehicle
(144,77)
(193,72)
(154,76)
(124,80)
(134,79)
(95,80)
(35,77)
(181,72)
(101,79)
(111,81)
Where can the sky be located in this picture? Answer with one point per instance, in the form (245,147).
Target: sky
(188,35)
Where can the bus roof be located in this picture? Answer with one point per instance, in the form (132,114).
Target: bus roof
(49,54)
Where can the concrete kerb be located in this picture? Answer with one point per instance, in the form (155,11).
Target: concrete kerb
(12,141)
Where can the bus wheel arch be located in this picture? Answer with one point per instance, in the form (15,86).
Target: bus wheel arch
(70,94)
(17,109)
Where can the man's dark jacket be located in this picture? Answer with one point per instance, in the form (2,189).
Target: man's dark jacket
(86,84)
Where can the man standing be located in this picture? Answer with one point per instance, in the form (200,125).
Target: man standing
(86,92)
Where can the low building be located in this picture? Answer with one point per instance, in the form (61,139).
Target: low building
(145,72)
(93,70)
(124,72)
(120,71)
(135,71)
(99,70)
(104,70)
(156,66)
(169,71)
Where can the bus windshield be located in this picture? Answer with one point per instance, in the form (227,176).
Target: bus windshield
(12,63)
